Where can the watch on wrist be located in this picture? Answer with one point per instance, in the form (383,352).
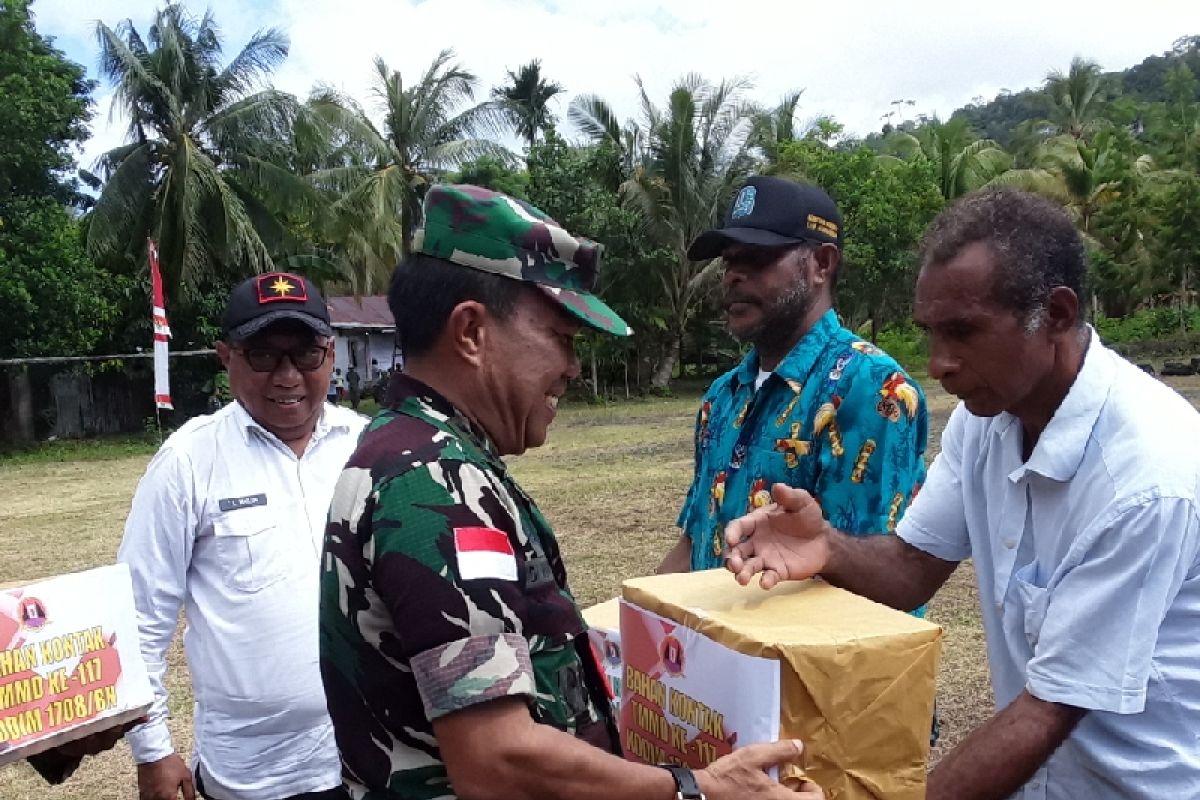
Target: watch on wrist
(686,787)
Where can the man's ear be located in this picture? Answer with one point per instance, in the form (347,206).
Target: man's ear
(1062,311)
(224,353)
(826,259)
(467,329)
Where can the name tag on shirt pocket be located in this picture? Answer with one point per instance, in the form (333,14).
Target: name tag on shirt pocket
(248,548)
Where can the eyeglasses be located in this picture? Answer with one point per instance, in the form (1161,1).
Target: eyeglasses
(267,359)
(756,258)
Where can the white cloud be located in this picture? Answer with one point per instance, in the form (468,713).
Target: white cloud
(853,58)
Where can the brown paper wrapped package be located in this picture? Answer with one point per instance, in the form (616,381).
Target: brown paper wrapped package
(856,678)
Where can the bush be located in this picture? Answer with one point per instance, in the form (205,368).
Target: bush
(1148,323)
(905,342)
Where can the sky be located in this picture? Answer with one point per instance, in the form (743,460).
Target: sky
(854,58)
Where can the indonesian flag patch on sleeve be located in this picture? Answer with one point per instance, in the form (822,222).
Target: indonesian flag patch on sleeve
(484,553)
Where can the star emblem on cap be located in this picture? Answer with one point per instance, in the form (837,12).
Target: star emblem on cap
(282,287)
(275,287)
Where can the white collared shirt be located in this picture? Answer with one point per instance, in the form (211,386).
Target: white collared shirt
(1088,562)
(228,524)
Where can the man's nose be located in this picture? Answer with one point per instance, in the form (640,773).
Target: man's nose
(942,362)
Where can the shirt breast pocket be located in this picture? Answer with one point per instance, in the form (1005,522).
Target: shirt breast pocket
(780,457)
(249,549)
(1029,602)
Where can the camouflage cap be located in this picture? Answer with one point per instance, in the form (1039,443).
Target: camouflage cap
(489,231)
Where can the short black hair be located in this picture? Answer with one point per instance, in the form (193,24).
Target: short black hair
(1034,243)
(425,290)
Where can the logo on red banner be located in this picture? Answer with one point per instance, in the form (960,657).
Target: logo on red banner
(33,613)
(671,652)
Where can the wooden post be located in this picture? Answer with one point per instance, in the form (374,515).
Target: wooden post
(20,393)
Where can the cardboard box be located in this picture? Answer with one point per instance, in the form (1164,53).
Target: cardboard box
(70,662)
(604,633)
(710,666)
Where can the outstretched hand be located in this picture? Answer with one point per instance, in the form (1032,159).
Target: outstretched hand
(785,540)
(743,773)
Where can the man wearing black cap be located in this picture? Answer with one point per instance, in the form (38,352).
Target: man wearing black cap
(227,525)
(811,405)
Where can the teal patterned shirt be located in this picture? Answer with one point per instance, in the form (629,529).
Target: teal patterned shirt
(838,417)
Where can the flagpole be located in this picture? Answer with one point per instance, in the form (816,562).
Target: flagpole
(162,335)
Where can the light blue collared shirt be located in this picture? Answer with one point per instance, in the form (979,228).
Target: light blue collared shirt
(1088,562)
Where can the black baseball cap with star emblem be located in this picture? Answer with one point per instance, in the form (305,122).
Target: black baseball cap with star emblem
(271,297)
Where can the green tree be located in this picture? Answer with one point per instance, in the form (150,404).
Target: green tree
(1175,241)
(55,301)
(571,185)
(45,111)
(492,173)
(1181,127)
(775,127)
(961,164)
(1098,185)
(377,189)
(885,205)
(594,117)
(1076,97)
(1083,177)
(525,100)
(201,154)
(695,150)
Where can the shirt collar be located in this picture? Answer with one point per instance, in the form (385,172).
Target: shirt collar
(248,427)
(800,360)
(409,396)
(1060,448)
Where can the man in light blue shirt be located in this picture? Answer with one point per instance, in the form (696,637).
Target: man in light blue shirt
(1070,478)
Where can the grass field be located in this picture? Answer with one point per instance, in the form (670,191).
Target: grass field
(610,481)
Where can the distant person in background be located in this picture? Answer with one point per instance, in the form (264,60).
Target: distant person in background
(335,392)
(354,381)
(340,383)
(219,393)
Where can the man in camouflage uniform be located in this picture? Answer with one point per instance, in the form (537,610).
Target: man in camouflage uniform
(454,659)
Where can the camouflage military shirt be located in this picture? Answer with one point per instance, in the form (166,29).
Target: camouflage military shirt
(441,588)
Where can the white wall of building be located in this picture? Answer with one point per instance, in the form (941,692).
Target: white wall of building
(365,346)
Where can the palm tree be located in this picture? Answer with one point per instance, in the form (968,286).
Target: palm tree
(776,127)
(1083,178)
(961,165)
(378,187)
(595,119)
(1076,98)
(1091,181)
(204,150)
(525,100)
(695,151)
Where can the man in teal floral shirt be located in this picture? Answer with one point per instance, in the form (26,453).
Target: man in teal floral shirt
(811,405)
